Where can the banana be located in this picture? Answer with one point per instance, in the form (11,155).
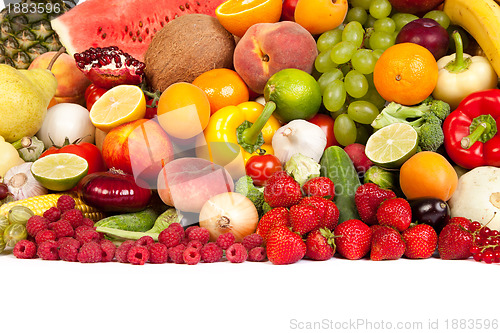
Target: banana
(481,19)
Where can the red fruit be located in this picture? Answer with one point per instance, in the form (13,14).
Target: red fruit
(395,212)
(175,254)
(90,253)
(367,199)
(24,249)
(282,190)
(284,246)
(387,244)
(356,152)
(257,254)
(276,217)
(137,255)
(304,218)
(121,253)
(45,235)
(328,211)
(73,216)
(65,202)
(237,253)
(319,186)
(62,228)
(421,241)
(108,249)
(454,242)
(191,256)
(225,240)
(211,252)
(320,244)
(158,253)
(201,234)
(145,241)
(463,221)
(352,239)
(48,250)
(52,214)
(35,224)
(251,241)
(169,238)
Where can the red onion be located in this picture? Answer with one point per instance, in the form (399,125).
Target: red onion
(113,191)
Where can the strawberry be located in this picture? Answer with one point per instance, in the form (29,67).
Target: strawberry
(387,244)
(463,221)
(328,211)
(282,190)
(421,241)
(352,239)
(454,242)
(320,244)
(367,199)
(320,187)
(274,218)
(394,212)
(285,246)
(304,218)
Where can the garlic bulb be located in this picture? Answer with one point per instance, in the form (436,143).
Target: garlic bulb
(21,182)
(299,136)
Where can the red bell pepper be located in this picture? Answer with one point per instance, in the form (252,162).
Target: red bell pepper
(471,138)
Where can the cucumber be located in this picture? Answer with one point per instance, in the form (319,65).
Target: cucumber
(338,166)
(137,221)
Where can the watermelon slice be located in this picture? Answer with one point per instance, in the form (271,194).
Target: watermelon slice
(128,24)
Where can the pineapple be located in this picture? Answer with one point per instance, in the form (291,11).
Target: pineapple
(24,37)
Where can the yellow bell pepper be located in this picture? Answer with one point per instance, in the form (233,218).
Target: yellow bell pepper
(220,143)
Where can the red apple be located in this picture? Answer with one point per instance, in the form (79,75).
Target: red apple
(428,33)
(417,7)
(140,147)
(288,10)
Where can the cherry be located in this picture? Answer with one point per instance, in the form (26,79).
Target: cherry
(4,191)
(478,256)
(488,256)
(485,232)
(474,249)
(474,226)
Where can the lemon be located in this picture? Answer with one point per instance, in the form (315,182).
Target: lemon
(392,145)
(59,172)
(119,105)
(296,93)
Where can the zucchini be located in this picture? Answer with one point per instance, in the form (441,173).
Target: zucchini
(338,166)
(137,221)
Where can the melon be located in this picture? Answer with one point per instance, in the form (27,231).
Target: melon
(128,24)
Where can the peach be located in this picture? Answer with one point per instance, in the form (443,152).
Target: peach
(267,48)
(187,183)
(71,82)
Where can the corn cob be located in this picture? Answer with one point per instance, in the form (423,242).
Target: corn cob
(40,203)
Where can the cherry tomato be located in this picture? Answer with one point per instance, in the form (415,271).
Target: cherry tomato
(86,150)
(92,94)
(325,122)
(261,167)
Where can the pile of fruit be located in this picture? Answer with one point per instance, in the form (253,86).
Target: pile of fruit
(191,132)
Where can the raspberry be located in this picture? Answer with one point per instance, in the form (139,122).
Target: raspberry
(175,253)
(52,214)
(191,256)
(177,227)
(252,240)
(196,244)
(169,238)
(35,224)
(158,253)
(108,249)
(45,235)
(201,234)
(257,254)
(72,240)
(74,216)
(90,253)
(225,240)
(145,241)
(122,251)
(138,255)
(189,229)
(65,202)
(211,252)
(62,228)
(236,253)
(68,250)
(86,234)
(48,250)
(24,249)
(87,222)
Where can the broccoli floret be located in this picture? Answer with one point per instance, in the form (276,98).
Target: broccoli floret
(245,186)
(426,118)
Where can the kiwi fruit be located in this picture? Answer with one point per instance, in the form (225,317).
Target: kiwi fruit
(185,48)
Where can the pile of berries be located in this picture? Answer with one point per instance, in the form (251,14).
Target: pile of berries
(485,244)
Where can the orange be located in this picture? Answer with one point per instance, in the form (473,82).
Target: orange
(239,15)
(318,16)
(428,174)
(223,87)
(405,73)
(183,110)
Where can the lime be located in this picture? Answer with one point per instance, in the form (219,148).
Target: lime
(59,172)
(392,145)
(296,93)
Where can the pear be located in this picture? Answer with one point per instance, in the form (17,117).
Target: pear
(24,98)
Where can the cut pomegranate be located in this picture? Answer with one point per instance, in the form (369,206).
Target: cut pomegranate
(108,67)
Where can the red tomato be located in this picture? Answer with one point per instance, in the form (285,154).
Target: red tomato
(92,94)
(325,122)
(86,150)
(261,167)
